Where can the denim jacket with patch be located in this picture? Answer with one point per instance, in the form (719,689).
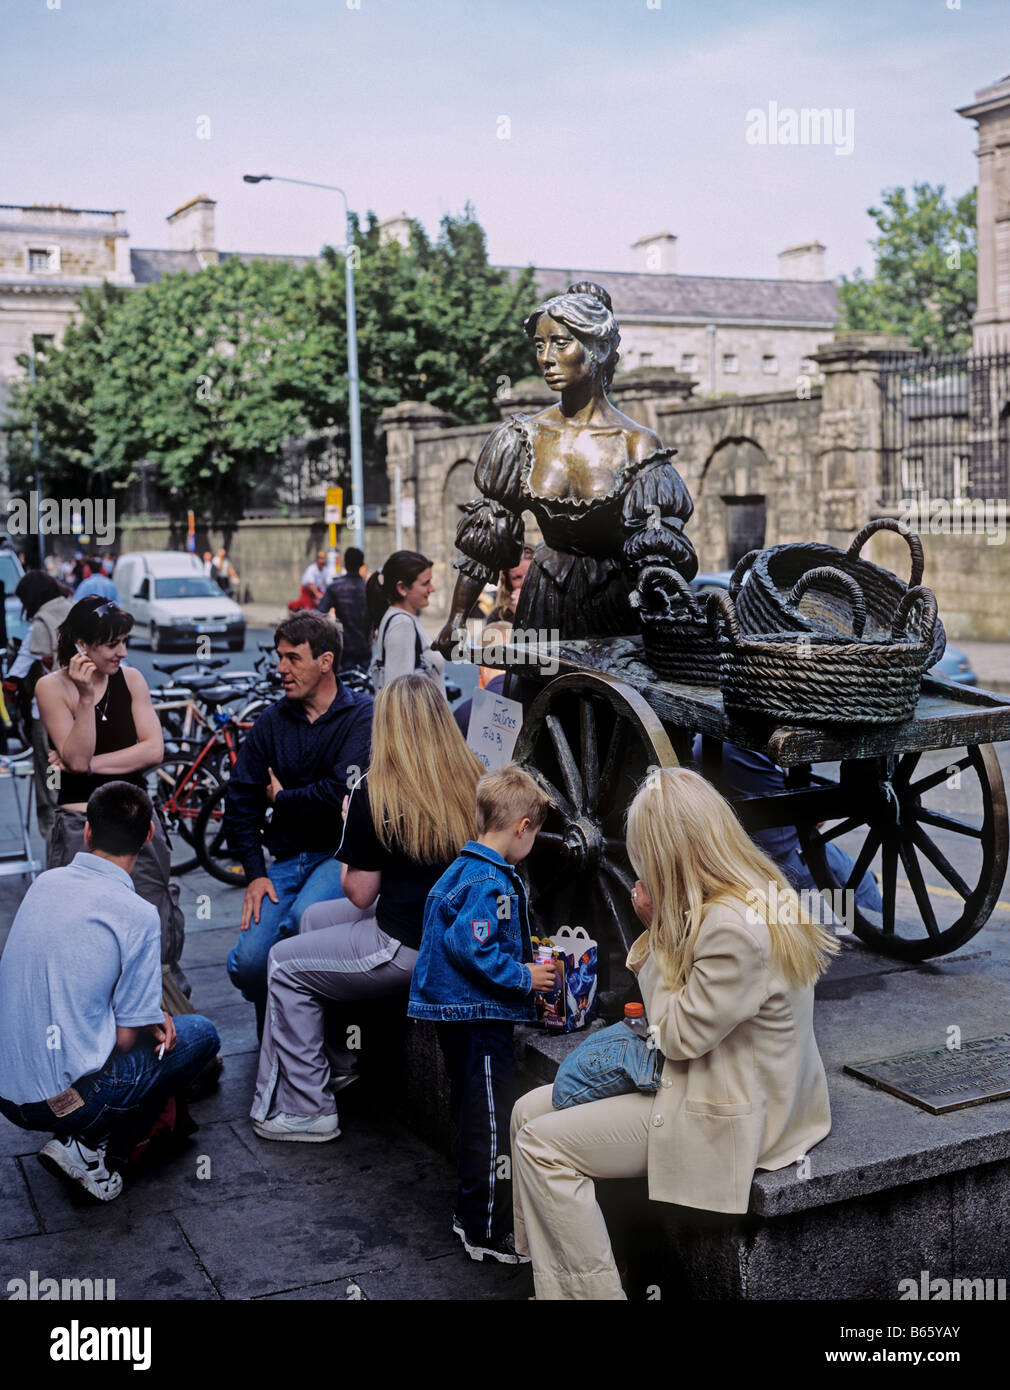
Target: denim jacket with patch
(476,942)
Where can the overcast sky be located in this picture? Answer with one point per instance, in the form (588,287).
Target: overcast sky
(624,117)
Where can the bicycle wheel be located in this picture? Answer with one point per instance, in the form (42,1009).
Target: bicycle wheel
(209,840)
(179,806)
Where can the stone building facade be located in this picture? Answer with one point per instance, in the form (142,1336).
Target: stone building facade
(730,335)
(47,256)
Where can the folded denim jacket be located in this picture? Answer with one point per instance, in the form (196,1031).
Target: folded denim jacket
(613,1061)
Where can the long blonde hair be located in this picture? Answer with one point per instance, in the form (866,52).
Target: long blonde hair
(690,851)
(422,778)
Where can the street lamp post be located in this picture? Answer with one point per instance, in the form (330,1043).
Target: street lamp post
(36,453)
(353,387)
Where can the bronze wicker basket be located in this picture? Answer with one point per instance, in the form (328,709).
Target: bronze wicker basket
(678,641)
(763,603)
(816,677)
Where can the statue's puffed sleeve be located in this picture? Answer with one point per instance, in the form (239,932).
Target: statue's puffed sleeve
(656,506)
(490,534)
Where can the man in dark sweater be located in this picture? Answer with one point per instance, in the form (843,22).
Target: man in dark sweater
(301,757)
(345,597)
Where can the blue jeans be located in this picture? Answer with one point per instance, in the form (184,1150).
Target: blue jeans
(299,882)
(840,865)
(122,1100)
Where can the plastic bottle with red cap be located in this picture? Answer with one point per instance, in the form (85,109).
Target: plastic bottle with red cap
(634,1018)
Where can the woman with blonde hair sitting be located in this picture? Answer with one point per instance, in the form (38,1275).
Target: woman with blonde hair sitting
(405,822)
(726,967)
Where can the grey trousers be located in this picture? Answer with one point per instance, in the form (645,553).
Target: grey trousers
(46,797)
(340,953)
(151,878)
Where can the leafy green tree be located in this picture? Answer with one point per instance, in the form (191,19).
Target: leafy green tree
(61,401)
(210,376)
(924,283)
(435,321)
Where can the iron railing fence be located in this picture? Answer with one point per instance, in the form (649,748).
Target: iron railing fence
(945,426)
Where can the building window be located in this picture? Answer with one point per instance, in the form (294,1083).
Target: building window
(730,362)
(769,364)
(43,258)
(913,474)
(808,366)
(962,481)
(689,362)
(645,359)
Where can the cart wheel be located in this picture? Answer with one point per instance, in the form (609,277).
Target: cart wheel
(589,741)
(910,819)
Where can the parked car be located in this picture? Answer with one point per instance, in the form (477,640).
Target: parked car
(953,665)
(173,602)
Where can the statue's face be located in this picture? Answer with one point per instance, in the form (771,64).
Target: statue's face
(563,360)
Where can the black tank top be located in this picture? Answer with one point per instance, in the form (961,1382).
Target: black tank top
(117,730)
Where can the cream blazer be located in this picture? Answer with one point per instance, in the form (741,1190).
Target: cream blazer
(743,1086)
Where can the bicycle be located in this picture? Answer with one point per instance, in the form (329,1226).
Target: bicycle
(210,839)
(180,788)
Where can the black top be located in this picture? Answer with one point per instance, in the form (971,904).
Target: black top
(316,764)
(582,575)
(405,883)
(346,596)
(112,733)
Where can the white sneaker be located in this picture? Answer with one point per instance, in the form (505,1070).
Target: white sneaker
(70,1158)
(299,1129)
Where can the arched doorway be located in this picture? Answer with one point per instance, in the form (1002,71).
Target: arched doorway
(731,503)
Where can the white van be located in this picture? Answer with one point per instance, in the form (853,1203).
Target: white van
(173,602)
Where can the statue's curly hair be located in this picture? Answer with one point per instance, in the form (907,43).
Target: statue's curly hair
(588,311)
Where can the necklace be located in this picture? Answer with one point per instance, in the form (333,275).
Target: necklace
(104,701)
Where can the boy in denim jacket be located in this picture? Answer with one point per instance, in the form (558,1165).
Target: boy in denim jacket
(475,977)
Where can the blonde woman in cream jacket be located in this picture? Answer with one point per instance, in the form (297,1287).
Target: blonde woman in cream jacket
(726,967)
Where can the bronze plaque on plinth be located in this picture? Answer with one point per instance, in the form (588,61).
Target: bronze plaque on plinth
(940,1078)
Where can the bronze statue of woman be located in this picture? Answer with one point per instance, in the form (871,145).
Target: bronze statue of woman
(602,488)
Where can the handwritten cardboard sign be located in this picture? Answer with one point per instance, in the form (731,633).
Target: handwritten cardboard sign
(494,727)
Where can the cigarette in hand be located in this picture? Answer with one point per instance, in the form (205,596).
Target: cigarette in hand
(161,1052)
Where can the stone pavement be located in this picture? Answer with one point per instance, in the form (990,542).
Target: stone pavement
(238,1217)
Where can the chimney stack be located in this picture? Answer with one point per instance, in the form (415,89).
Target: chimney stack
(191,228)
(656,254)
(803,262)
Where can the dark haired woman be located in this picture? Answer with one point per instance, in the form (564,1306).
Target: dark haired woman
(394,596)
(103,728)
(602,488)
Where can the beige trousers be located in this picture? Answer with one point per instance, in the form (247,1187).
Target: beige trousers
(556,1154)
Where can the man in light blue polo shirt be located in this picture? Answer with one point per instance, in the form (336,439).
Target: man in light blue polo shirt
(86,1051)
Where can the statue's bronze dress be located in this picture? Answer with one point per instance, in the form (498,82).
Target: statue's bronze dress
(580,577)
